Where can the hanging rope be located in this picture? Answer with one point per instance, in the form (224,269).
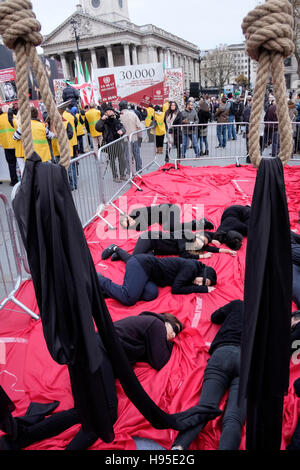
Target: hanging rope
(20,31)
(269,40)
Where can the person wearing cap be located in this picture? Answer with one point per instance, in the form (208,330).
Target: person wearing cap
(40,136)
(145,273)
(71,94)
(7,129)
(112,129)
(92,116)
(132,125)
(222,374)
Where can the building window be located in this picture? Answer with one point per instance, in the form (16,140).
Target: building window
(288,81)
(288,62)
(95,3)
(121,3)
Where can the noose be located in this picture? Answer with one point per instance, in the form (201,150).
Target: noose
(269,40)
(20,31)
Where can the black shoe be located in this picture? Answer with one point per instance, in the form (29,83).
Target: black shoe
(107,253)
(115,256)
(202,153)
(219,147)
(206,152)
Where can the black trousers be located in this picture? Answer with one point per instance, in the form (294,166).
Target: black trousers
(10,155)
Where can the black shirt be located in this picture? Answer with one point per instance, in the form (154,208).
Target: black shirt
(235,218)
(144,339)
(176,272)
(231,318)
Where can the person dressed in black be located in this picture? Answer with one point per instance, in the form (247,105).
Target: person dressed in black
(147,337)
(112,130)
(189,245)
(295,241)
(234,226)
(222,373)
(70,93)
(167,215)
(145,273)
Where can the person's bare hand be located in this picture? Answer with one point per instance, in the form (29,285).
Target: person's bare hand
(211,289)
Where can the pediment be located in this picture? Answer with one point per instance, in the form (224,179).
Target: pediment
(88,27)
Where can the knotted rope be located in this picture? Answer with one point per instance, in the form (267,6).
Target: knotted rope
(269,40)
(20,31)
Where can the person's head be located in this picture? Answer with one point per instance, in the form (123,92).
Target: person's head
(173,106)
(233,240)
(229,96)
(110,112)
(173,325)
(92,105)
(157,109)
(224,100)
(295,318)
(123,105)
(190,105)
(207,277)
(34,113)
(74,110)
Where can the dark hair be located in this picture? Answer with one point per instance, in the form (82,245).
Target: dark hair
(229,95)
(168,317)
(209,236)
(296,315)
(234,240)
(34,113)
(209,273)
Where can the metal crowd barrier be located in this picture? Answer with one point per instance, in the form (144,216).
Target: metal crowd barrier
(13,259)
(223,142)
(122,162)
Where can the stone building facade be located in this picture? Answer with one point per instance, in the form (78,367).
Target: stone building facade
(108,38)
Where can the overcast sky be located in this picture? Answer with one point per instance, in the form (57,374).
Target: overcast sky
(206,23)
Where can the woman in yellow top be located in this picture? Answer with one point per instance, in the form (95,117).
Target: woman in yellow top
(160,129)
(81,130)
(40,136)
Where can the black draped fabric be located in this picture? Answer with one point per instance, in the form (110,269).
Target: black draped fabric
(266,338)
(71,303)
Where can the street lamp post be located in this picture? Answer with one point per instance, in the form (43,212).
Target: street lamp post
(77,39)
(199,61)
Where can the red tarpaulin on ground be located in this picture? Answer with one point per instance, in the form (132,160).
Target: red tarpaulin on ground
(27,372)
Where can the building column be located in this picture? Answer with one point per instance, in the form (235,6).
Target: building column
(65,66)
(161,55)
(143,55)
(152,54)
(127,54)
(94,60)
(134,56)
(110,57)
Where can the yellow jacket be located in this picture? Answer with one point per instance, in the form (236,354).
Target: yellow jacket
(81,130)
(150,114)
(92,116)
(166,106)
(40,142)
(70,118)
(55,144)
(160,128)
(6,133)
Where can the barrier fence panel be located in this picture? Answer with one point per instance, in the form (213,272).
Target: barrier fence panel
(86,185)
(227,142)
(13,260)
(121,161)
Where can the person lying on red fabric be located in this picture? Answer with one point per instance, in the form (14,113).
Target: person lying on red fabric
(185,245)
(147,338)
(167,215)
(222,373)
(234,226)
(145,273)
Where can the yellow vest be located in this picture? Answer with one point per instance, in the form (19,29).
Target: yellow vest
(20,153)
(148,120)
(70,118)
(92,116)
(160,128)
(55,144)
(40,142)
(6,133)
(81,130)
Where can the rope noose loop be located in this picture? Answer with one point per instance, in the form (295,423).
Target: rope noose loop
(20,31)
(269,40)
